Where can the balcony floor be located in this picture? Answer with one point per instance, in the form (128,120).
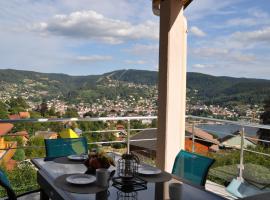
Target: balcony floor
(218,189)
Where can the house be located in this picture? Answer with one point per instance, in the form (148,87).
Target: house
(6,155)
(5,128)
(14,117)
(121,134)
(204,142)
(23,134)
(68,133)
(21,115)
(24,115)
(78,131)
(234,141)
(47,134)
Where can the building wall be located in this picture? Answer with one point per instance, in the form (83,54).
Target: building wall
(8,154)
(199,148)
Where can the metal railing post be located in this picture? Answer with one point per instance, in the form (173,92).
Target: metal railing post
(193,136)
(128,137)
(241,165)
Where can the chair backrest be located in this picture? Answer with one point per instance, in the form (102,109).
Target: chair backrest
(4,182)
(192,167)
(65,147)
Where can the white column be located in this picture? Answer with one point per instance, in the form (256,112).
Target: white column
(172,83)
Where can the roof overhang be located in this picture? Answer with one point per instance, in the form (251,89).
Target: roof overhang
(156,5)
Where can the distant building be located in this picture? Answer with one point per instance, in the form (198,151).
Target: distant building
(24,115)
(204,142)
(21,115)
(78,131)
(47,134)
(121,134)
(68,133)
(23,134)
(5,128)
(6,155)
(234,141)
(14,117)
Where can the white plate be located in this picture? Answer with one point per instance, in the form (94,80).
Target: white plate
(148,171)
(81,179)
(76,157)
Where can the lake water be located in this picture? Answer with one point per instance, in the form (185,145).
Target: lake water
(221,130)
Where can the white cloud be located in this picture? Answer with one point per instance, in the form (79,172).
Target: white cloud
(209,51)
(255,17)
(197,32)
(93,58)
(199,66)
(92,25)
(262,35)
(242,22)
(139,62)
(203,8)
(222,54)
(258,13)
(143,49)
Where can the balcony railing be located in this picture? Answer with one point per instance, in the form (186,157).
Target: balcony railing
(192,121)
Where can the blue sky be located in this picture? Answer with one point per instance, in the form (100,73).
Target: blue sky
(230,38)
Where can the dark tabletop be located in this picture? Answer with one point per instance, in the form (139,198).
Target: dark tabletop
(50,170)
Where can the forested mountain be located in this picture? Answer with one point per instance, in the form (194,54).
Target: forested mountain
(227,90)
(205,88)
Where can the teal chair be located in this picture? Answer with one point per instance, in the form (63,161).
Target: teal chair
(192,167)
(4,182)
(65,147)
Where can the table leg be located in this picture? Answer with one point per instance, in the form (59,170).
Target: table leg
(102,195)
(43,195)
(159,191)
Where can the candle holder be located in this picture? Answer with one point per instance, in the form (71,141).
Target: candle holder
(127,166)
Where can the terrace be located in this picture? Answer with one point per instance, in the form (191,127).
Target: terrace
(226,168)
(170,137)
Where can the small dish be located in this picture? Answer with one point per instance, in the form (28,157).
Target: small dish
(145,170)
(76,157)
(81,179)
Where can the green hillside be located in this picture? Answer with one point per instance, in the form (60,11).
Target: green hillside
(205,88)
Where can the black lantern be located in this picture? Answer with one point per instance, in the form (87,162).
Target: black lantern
(127,166)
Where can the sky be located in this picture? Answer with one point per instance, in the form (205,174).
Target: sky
(81,37)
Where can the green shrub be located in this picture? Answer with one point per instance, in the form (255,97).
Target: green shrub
(19,155)
(36,147)
(23,178)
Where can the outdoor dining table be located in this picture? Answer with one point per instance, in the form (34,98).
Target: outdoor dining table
(49,171)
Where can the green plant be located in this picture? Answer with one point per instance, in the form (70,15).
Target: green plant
(36,147)
(19,155)
(23,178)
